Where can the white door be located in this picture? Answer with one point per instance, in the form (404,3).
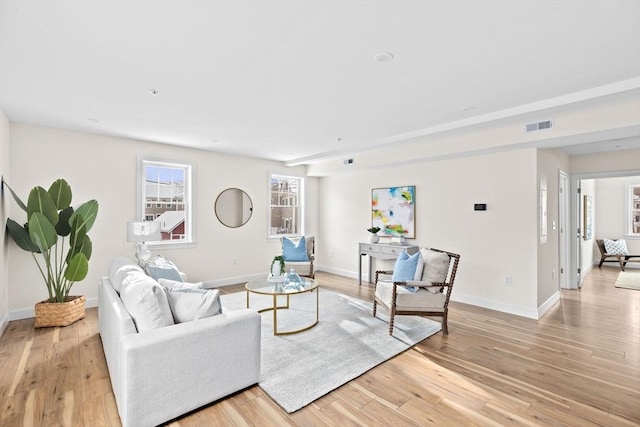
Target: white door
(564,237)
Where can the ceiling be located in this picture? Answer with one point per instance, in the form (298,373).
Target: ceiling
(301,81)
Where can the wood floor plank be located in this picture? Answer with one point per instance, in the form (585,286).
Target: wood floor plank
(577,366)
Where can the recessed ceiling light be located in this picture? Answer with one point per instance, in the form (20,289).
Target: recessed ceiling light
(468,108)
(154,92)
(94,120)
(383,57)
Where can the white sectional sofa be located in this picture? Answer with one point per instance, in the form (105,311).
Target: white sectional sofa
(160,374)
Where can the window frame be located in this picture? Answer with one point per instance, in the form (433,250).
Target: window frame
(188,200)
(300,205)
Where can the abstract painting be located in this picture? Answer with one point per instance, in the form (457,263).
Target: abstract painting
(393,210)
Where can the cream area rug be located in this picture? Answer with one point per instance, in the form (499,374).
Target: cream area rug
(628,279)
(347,342)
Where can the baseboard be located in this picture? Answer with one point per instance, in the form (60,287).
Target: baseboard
(4,323)
(338,271)
(546,306)
(495,305)
(28,312)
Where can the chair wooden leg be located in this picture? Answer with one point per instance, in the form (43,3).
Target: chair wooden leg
(392,316)
(445,329)
(601,261)
(620,262)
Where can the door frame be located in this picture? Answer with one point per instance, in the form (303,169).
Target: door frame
(574,277)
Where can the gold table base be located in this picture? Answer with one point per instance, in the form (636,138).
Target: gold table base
(277,307)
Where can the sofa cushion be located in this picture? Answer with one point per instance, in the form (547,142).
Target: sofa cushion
(174,284)
(146,302)
(118,270)
(294,251)
(616,247)
(159,267)
(436,268)
(191,304)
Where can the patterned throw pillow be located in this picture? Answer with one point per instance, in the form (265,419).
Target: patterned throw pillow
(615,247)
(405,268)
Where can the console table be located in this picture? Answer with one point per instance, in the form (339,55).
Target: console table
(380,251)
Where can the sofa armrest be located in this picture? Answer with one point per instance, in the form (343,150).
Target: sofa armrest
(169,371)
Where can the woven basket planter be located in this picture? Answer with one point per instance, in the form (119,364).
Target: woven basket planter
(60,313)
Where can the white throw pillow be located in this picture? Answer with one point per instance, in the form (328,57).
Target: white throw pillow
(191,304)
(436,268)
(174,284)
(121,281)
(146,302)
(419,268)
(616,247)
(116,265)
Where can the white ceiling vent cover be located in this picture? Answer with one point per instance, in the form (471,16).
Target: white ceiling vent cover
(534,127)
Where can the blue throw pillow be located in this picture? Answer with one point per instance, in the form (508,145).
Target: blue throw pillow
(292,251)
(405,268)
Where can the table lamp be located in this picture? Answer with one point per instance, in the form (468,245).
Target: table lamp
(141,232)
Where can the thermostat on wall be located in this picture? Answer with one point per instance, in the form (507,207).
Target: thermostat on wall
(480,207)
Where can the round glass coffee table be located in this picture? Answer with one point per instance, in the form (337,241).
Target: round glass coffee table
(277,289)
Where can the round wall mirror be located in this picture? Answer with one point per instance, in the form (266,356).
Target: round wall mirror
(233,207)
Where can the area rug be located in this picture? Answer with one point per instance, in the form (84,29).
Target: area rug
(628,279)
(347,342)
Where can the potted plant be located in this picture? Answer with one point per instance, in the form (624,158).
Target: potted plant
(277,266)
(56,235)
(374,238)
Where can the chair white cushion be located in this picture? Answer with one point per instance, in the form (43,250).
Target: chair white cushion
(436,268)
(303,268)
(410,301)
(191,304)
(616,247)
(146,302)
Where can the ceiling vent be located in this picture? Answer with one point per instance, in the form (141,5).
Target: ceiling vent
(534,127)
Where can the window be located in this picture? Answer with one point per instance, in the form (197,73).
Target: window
(172,183)
(633,212)
(286,207)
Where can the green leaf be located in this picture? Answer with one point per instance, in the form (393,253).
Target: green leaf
(63,227)
(77,268)
(86,248)
(40,201)
(15,197)
(78,232)
(41,231)
(88,211)
(20,235)
(60,192)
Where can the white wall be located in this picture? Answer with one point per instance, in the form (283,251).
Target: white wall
(493,244)
(5,197)
(612,194)
(104,168)
(550,163)
(613,161)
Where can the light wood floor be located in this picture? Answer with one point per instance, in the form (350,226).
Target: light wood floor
(577,366)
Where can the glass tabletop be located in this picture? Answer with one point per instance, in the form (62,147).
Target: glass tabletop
(269,287)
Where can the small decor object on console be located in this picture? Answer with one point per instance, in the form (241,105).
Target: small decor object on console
(374,238)
(293,282)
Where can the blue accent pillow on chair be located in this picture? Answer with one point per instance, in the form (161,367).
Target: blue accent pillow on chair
(292,251)
(405,268)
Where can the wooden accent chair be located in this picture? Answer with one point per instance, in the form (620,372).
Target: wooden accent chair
(303,268)
(431,299)
(619,258)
